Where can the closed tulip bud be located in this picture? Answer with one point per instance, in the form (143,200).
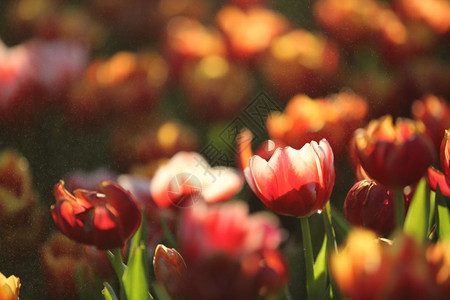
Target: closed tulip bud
(170,269)
(370,205)
(294,182)
(9,287)
(395,156)
(106,220)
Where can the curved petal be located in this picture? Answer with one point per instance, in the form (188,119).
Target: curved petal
(436,178)
(264,179)
(228,182)
(107,229)
(125,206)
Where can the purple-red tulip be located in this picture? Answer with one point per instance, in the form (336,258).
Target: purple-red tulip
(294,182)
(106,219)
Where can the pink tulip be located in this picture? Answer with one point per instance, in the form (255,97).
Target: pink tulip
(188,177)
(294,182)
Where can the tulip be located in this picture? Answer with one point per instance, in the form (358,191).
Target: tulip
(370,205)
(245,152)
(106,220)
(434,112)
(434,13)
(169,268)
(348,21)
(9,287)
(208,87)
(188,177)
(300,62)
(436,177)
(365,268)
(395,156)
(16,190)
(294,182)
(334,118)
(241,246)
(250,32)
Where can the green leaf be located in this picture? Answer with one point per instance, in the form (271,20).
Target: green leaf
(135,277)
(320,269)
(443,214)
(108,292)
(416,222)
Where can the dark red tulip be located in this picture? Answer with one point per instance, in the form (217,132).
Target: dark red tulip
(106,219)
(370,205)
(395,156)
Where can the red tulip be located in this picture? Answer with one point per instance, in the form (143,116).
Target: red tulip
(223,245)
(435,177)
(105,220)
(294,182)
(371,206)
(395,156)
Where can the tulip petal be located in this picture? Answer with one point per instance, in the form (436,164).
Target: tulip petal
(107,230)
(125,205)
(436,178)
(227,183)
(264,178)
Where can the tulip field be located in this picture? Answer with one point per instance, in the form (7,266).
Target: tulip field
(226,149)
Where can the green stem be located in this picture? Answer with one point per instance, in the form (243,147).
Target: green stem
(399,207)
(339,221)
(115,257)
(309,258)
(329,229)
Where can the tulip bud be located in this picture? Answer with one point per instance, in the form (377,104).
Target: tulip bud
(370,205)
(170,269)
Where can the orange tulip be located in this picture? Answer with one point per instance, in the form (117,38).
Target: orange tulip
(9,287)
